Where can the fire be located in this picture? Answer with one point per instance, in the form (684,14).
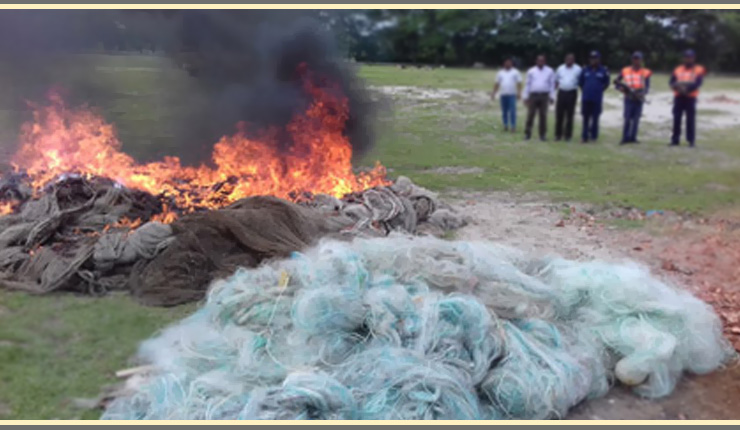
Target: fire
(6,208)
(63,140)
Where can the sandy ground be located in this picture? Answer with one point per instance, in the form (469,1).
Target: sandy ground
(715,109)
(530,223)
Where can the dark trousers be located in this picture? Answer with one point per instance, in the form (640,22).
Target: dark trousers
(537,105)
(508,110)
(632,114)
(591,110)
(565,109)
(681,105)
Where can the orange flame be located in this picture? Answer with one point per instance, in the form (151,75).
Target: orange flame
(125,222)
(6,208)
(64,140)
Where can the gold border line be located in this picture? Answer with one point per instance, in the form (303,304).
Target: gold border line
(369,6)
(377,422)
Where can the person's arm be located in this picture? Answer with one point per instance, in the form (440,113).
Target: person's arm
(672,82)
(606,80)
(557,78)
(618,82)
(647,85)
(581,79)
(527,86)
(697,83)
(495,90)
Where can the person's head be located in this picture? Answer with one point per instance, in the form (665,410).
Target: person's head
(570,59)
(637,59)
(689,56)
(508,64)
(541,60)
(594,58)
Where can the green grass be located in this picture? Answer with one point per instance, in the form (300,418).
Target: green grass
(60,347)
(482,79)
(57,348)
(463,132)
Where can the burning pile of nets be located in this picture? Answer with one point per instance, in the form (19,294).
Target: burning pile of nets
(421,328)
(92,235)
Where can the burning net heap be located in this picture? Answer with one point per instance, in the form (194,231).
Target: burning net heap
(62,141)
(80,215)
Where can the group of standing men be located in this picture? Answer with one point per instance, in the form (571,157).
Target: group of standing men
(543,86)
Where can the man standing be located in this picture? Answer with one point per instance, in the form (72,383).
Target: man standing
(594,80)
(509,81)
(685,81)
(539,90)
(634,82)
(566,82)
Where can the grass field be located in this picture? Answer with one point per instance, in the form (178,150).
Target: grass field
(56,348)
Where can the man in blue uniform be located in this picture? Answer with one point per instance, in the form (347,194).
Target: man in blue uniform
(594,80)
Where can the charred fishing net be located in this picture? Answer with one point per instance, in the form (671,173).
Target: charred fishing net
(421,328)
(91,235)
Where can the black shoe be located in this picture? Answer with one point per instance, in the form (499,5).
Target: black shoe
(557,139)
(527,137)
(623,142)
(543,139)
(636,142)
(673,144)
(584,141)
(691,145)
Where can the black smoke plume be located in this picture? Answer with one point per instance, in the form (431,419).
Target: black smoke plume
(248,60)
(242,67)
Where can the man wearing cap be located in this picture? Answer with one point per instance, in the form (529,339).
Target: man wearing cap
(685,82)
(566,83)
(634,82)
(594,80)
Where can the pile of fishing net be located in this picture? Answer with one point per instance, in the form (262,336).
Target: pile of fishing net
(71,236)
(421,328)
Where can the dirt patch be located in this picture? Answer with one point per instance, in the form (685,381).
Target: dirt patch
(658,110)
(721,98)
(530,224)
(703,256)
(5,410)
(722,110)
(709,397)
(419,93)
(700,255)
(718,187)
(455,170)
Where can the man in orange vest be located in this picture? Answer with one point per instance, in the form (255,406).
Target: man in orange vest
(685,82)
(634,82)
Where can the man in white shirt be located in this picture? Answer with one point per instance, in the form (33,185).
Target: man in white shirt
(509,81)
(539,89)
(566,82)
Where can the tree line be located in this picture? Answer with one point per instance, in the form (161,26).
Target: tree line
(435,37)
(466,37)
